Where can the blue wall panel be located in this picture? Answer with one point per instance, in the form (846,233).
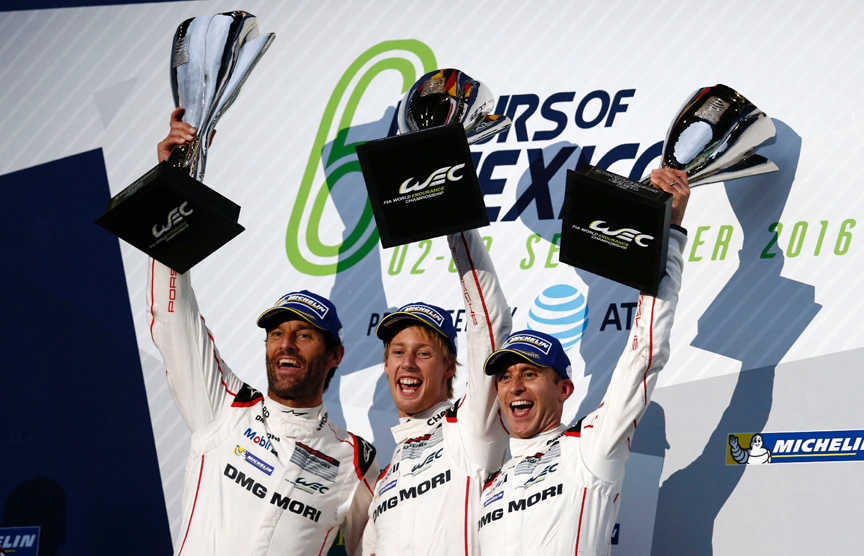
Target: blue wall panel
(79,455)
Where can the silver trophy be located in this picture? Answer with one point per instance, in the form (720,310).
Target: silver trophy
(168,213)
(714,135)
(618,228)
(448,96)
(212,57)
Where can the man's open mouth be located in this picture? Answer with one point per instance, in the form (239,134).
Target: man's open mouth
(287,363)
(521,408)
(409,385)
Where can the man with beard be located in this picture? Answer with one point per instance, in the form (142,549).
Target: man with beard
(265,474)
(428,497)
(559,494)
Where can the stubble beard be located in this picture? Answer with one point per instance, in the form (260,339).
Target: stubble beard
(298,386)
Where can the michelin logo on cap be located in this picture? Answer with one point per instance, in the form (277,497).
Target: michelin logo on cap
(535,341)
(435,315)
(319,308)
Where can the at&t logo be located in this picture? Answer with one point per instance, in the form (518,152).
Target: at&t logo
(560,311)
(439,176)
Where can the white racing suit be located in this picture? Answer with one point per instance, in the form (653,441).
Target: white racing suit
(427,500)
(559,494)
(261,478)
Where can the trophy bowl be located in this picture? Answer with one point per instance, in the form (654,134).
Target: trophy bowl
(618,228)
(447,96)
(212,56)
(714,136)
(168,213)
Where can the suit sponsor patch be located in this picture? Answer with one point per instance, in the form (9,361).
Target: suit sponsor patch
(315,462)
(528,464)
(414,447)
(251,459)
(247,396)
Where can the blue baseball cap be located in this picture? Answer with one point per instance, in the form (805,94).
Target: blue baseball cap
(314,309)
(535,347)
(434,317)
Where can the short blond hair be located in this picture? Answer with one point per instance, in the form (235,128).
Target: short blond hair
(434,338)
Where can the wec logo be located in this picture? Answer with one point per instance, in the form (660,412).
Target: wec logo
(424,465)
(541,476)
(439,176)
(625,234)
(310,487)
(175,217)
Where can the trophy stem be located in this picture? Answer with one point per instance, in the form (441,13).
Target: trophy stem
(178,157)
(189,157)
(195,158)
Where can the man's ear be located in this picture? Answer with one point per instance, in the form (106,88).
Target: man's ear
(337,355)
(567,389)
(451,371)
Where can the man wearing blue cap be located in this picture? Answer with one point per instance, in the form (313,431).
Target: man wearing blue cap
(559,494)
(266,474)
(427,498)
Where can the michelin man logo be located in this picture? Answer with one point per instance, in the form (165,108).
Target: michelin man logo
(756,454)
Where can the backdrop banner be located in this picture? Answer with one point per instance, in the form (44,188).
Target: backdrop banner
(766,349)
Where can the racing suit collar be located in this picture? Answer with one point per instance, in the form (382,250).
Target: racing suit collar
(419,422)
(296,422)
(521,447)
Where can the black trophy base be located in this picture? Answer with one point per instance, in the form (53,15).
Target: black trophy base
(422,185)
(172,217)
(615,227)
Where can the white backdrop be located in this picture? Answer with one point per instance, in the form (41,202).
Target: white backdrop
(766,338)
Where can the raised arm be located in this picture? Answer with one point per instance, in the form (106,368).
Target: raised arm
(608,431)
(200,382)
(489,321)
